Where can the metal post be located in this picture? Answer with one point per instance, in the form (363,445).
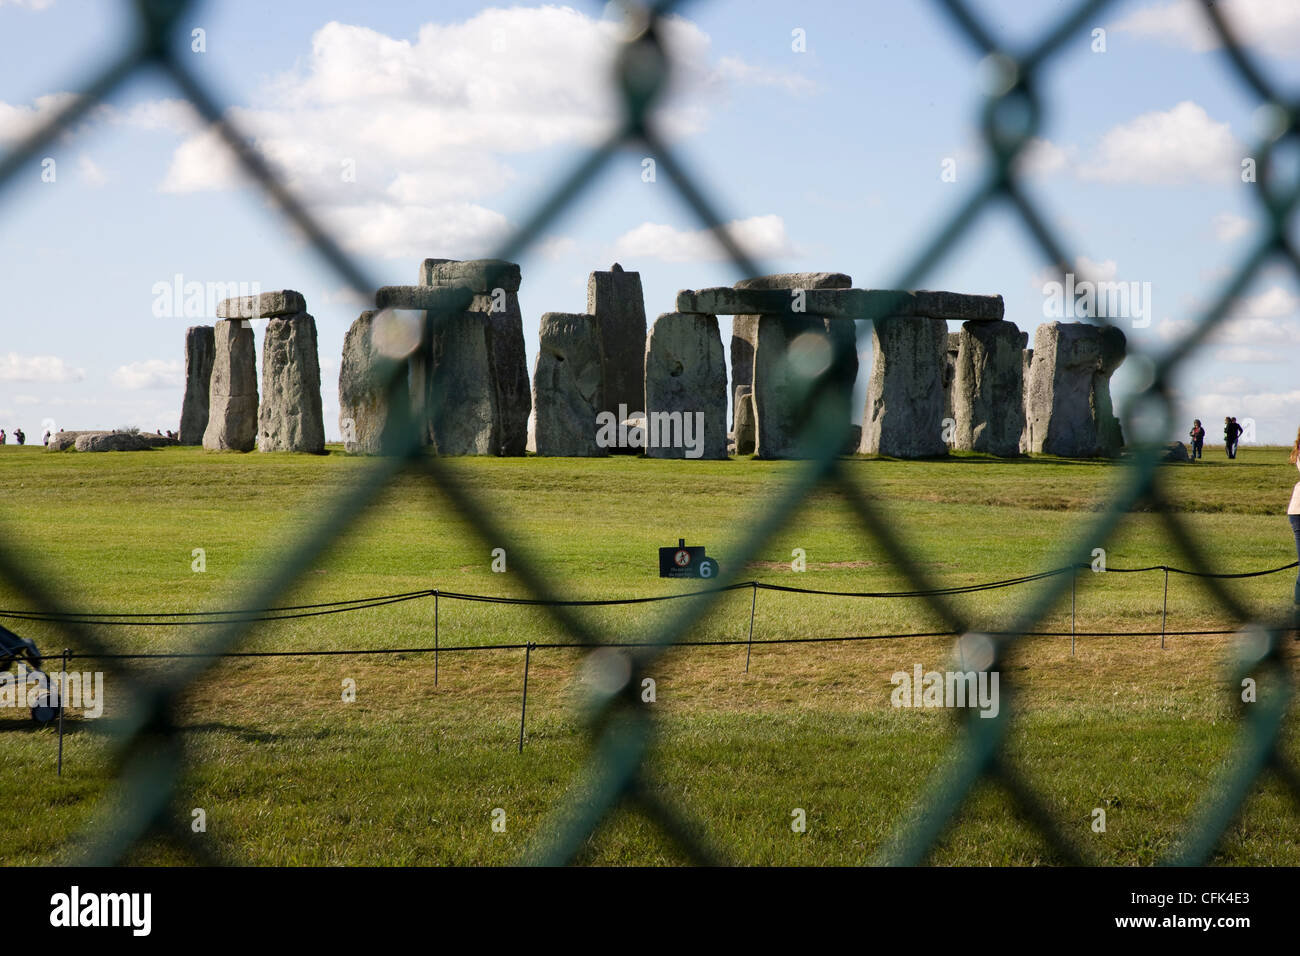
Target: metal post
(1164,610)
(63,684)
(435,638)
(523,710)
(1074,578)
(752,604)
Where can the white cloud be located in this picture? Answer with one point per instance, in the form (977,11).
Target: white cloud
(1229,227)
(17,121)
(1264,327)
(1271,25)
(555,248)
(90,172)
(1041,157)
(1174,147)
(760,236)
(150,373)
(37,368)
(429,123)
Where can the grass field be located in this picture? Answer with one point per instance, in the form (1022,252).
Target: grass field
(288,773)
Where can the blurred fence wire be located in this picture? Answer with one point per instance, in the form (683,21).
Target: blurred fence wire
(150,753)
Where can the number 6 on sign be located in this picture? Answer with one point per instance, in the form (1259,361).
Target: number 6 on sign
(708,568)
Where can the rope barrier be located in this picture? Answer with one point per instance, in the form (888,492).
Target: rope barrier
(285,613)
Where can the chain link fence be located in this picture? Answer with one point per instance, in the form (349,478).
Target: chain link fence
(150,754)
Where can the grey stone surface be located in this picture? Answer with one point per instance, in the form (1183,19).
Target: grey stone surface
(364,412)
(477,275)
(777,388)
(1027,364)
(842,303)
(289,416)
(950,371)
(903,415)
(113,441)
(685,373)
(743,411)
(744,336)
(616,300)
(568,391)
(265,305)
(502,322)
(1176,451)
(854,441)
(62,441)
(461,393)
(1069,405)
(232,396)
(988,390)
(200,349)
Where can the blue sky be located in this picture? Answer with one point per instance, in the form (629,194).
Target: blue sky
(457,116)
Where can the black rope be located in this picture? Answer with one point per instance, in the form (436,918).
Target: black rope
(296,611)
(588,645)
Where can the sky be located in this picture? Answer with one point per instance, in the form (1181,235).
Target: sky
(835,137)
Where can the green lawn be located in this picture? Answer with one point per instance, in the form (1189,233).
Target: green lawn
(288,773)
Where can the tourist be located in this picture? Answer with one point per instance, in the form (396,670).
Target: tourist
(1230,437)
(18,434)
(45,439)
(1198,438)
(2,436)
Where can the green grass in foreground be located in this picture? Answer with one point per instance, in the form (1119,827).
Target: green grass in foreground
(289,774)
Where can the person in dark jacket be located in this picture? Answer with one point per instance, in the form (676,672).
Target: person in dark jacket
(1198,438)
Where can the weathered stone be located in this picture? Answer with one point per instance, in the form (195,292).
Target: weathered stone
(200,348)
(477,275)
(1176,451)
(903,415)
(568,391)
(364,373)
(1027,363)
(854,441)
(685,388)
(840,302)
(290,416)
(777,387)
(1070,411)
(462,409)
(743,411)
(265,305)
(744,336)
(504,329)
(113,441)
(616,300)
(62,441)
(950,371)
(988,390)
(232,396)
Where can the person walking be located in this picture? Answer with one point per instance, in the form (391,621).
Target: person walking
(1198,438)
(1229,445)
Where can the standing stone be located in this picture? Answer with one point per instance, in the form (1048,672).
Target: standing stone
(1028,362)
(290,418)
(363,390)
(616,300)
(568,390)
(988,390)
(495,284)
(1070,411)
(950,372)
(200,350)
(744,415)
(232,397)
(777,389)
(903,415)
(685,388)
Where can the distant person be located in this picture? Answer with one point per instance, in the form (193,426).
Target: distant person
(45,439)
(22,438)
(2,436)
(1198,438)
(1229,437)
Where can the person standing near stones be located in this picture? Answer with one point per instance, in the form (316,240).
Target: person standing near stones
(20,436)
(1293,515)
(1198,438)
(1229,436)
